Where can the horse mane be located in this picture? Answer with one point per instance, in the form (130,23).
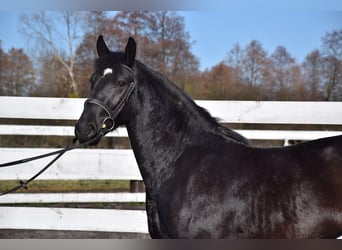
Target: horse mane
(171,90)
(179,96)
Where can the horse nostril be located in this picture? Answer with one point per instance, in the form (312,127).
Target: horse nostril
(85,131)
(91,129)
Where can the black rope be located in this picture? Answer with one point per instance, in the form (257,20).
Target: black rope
(23,184)
(12,163)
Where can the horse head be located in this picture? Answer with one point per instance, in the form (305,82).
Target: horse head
(112,84)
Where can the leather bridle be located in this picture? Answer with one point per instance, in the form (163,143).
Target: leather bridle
(108,123)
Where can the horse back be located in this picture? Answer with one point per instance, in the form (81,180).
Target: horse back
(233,190)
(321,164)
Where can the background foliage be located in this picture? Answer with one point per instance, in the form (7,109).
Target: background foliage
(65,52)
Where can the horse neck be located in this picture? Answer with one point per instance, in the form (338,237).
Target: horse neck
(160,127)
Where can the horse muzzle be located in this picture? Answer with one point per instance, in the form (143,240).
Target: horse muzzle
(85,131)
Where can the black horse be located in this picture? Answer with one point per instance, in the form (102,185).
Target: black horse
(203,180)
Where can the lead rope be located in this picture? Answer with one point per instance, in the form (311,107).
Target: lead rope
(104,129)
(23,184)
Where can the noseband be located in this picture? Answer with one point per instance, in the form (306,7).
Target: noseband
(112,114)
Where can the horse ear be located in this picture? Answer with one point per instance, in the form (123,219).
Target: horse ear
(101,47)
(130,51)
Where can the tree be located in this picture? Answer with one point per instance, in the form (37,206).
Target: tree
(95,23)
(163,43)
(53,81)
(332,78)
(2,57)
(218,82)
(332,64)
(254,63)
(283,65)
(332,44)
(18,76)
(57,32)
(235,61)
(130,23)
(171,46)
(312,72)
(297,89)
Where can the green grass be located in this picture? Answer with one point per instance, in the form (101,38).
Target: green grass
(54,186)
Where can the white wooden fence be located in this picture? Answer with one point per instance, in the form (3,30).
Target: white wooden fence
(120,164)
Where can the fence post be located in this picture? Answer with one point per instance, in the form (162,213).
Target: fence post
(136,186)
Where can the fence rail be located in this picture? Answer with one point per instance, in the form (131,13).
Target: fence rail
(105,220)
(120,164)
(228,111)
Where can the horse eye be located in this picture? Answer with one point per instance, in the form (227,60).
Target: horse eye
(121,83)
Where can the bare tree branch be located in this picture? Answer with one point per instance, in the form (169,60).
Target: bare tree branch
(58,32)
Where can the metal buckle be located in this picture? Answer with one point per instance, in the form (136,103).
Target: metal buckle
(108,124)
